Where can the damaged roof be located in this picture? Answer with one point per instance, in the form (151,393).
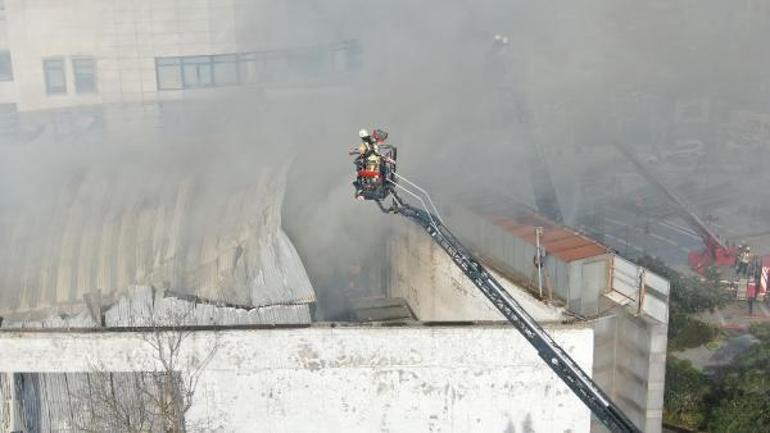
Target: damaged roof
(103,233)
(565,244)
(559,241)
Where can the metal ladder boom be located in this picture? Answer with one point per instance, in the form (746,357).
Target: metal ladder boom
(556,358)
(686,210)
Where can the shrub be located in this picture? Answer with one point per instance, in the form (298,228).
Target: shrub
(685,394)
(749,413)
(761,331)
(684,332)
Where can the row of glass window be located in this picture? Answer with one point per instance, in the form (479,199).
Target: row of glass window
(83,70)
(189,72)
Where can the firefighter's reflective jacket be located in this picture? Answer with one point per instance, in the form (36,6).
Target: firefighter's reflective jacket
(745,256)
(367,148)
(369,156)
(373,162)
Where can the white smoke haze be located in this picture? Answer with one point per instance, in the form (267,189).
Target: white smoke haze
(432,78)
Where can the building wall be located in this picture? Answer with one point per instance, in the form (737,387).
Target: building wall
(8,92)
(437,290)
(641,367)
(128,41)
(7,88)
(589,280)
(123,37)
(349,379)
(629,351)
(630,364)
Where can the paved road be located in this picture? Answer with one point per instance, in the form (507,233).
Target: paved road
(633,234)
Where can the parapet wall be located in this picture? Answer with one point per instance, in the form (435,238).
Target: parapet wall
(437,290)
(341,379)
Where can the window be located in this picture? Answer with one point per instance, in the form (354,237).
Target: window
(276,65)
(320,62)
(169,72)
(225,70)
(55,77)
(339,60)
(248,65)
(312,63)
(6,69)
(84,70)
(354,58)
(196,71)
(346,57)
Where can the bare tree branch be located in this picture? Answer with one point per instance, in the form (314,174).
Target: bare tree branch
(151,401)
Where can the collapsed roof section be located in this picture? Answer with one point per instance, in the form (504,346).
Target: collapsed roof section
(144,306)
(105,233)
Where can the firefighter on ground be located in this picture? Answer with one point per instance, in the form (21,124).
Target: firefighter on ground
(738,252)
(744,257)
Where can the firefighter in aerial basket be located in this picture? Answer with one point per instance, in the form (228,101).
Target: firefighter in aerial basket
(367,162)
(375,166)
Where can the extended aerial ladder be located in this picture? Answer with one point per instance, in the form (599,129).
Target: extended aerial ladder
(546,200)
(716,251)
(553,355)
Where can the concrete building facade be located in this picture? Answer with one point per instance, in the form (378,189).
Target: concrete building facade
(58,54)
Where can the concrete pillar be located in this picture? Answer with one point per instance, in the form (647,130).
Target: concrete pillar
(656,377)
(10,412)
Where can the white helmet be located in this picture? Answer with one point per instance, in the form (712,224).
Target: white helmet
(363,133)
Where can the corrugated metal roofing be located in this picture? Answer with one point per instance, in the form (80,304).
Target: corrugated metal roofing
(520,220)
(565,244)
(103,232)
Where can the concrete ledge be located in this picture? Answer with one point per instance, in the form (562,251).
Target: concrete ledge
(283,326)
(340,379)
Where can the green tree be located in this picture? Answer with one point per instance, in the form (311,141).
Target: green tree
(684,332)
(761,331)
(741,413)
(741,399)
(685,394)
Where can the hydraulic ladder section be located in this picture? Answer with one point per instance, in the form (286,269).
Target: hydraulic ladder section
(686,210)
(556,358)
(542,186)
(716,252)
